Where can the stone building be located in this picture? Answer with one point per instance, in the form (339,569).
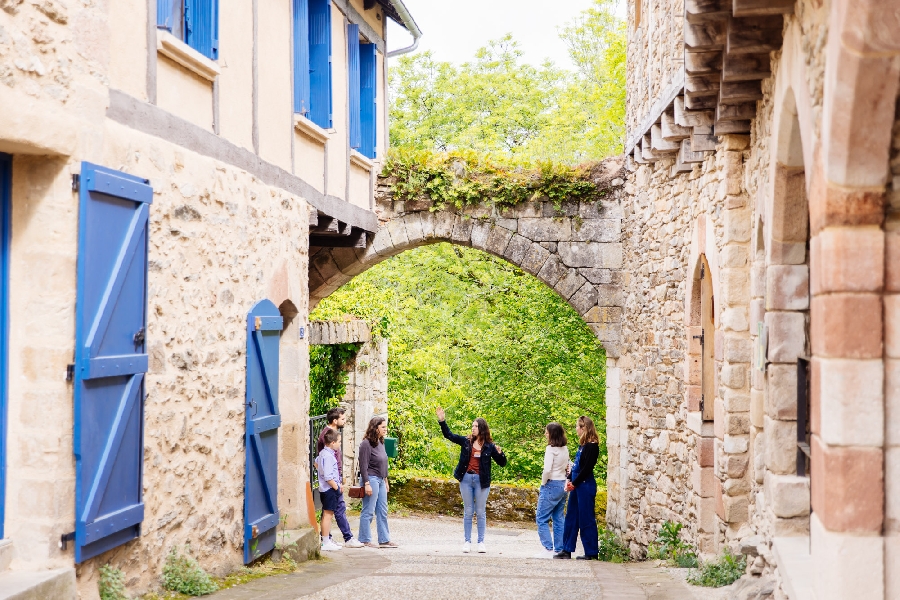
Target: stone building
(164,167)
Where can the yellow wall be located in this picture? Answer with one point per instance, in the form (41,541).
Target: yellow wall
(183,93)
(275,93)
(128,63)
(236,80)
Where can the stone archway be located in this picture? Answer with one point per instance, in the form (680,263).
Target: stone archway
(575,248)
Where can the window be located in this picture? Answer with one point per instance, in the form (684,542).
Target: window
(196,22)
(363,81)
(312,61)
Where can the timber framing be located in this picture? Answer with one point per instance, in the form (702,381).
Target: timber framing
(726,56)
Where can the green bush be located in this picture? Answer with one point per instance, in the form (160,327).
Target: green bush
(611,548)
(112,583)
(670,547)
(183,574)
(724,571)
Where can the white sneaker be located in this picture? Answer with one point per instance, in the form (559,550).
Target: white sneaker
(329,546)
(467,547)
(481,548)
(336,542)
(544,554)
(353,543)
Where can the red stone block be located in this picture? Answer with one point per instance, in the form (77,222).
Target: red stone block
(848,487)
(848,259)
(706,452)
(847,326)
(869,26)
(693,393)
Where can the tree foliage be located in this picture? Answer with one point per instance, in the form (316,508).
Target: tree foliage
(479,337)
(327,377)
(498,103)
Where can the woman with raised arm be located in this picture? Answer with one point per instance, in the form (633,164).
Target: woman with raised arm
(582,488)
(474,473)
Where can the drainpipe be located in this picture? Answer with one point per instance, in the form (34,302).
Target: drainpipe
(410,25)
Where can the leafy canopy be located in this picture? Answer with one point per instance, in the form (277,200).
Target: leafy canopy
(497,103)
(479,337)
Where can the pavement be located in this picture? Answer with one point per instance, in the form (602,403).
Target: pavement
(430,564)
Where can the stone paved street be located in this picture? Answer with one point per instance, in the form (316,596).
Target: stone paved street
(430,564)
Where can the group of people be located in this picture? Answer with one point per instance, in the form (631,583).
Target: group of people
(566,498)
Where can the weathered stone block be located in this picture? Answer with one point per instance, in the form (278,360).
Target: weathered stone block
(462,231)
(535,258)
(415,233)
(592,254)
(736,402)
(546,230)
(604,314)
(781,446)
(736,509)
(787,287)
(552,271)
(848,259)
(737,349)
(787,336)
(571,283)
(847,325)
(781,392)
(737,424)
(610,295)
(516,250)
(736,487)
(737,226)
(585,298)
(498,239)
(849,493)
(736,444)
(734,319)
(734,376)
(757,408)
(598,230)
(735,465)
(735,287)
(851,401)
(703,481)
(481,229)
(787,495)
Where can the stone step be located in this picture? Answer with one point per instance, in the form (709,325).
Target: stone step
(299,544)
(7,554)
(58,584)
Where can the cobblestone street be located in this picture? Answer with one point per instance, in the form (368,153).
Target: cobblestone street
(430,564)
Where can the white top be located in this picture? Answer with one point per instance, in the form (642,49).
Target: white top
(555,461)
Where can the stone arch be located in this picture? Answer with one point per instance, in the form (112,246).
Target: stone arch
(575,249)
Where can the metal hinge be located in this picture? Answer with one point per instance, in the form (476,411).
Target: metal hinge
(65,538)
(70,371)
(702,402)
(701,337)
(139,337)
(76,182)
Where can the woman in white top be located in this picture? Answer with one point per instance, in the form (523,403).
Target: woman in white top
(552,498)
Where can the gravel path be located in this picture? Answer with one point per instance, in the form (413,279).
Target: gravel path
(429,564)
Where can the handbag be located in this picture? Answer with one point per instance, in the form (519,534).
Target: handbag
(356,491)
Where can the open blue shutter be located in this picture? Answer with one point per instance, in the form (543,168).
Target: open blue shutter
(201,26)
(164,14)
(264,325)
(368,86)
(320,62)
(301,57)
(110,358)
(353,73)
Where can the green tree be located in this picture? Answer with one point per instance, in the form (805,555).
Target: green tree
(479,337)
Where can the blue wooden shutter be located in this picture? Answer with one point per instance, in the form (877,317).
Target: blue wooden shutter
(368,89)
(353,73)
(320,62)
(264,325)
(301,57)
(110,359)
(201,26)
(164,14)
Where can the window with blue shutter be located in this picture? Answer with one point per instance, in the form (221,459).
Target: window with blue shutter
(319,23)
(368,90)
(194,21)
(353,86)
(301,57)
(110,358)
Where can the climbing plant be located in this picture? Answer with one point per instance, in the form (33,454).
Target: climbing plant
(327,375)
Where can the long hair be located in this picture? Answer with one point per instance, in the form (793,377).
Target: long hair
(372,430)
(484,432)
(557,435)
(588,431)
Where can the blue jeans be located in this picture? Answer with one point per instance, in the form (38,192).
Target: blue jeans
(551,507)
(474,502)
(375,506)
(580,516)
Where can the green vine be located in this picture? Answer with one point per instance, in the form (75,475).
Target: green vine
(463,179)
(327,375)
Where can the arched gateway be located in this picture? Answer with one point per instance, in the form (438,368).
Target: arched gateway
(575,248)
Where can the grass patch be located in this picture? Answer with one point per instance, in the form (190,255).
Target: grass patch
(264,568)
(723,571)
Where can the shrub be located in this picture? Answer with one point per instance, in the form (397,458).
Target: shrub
(724,571)
(611,548)
(112,583)
(183,574)
(669,546)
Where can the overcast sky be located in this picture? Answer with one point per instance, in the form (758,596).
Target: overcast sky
(455,30)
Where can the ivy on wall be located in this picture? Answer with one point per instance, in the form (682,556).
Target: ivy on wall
(328,375)
(465,178)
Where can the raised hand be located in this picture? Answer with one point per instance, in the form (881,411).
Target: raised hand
(440,413)
(498,448)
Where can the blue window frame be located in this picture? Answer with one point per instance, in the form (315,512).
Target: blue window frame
(5,218)
(363,85)
(196,22)
(312,61)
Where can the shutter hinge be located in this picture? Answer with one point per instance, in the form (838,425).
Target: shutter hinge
(76,181)
(702,403)
(65,538)
(702,271)
(139,337)
(258,323)
(701,337)
(70,371)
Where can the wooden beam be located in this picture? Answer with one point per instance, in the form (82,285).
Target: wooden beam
(738,92)
(326,225)
(703,139)
(758,8)
(659,144)
(705,36)
(313,218)
(356,240)
(700,103)
(698,63)
(344,228)
(688,155)
(745,67)
(724,127)
(754,35)
(647,150)
(690,118)
(638,157)
(672,131)
(701,11)
(701,85)
(735,112)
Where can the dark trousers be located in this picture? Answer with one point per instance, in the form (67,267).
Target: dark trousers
(340,517)
(580,517)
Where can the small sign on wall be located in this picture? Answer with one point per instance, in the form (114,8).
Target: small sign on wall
(762,345)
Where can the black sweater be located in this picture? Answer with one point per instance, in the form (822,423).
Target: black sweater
(488,452)
(583,469)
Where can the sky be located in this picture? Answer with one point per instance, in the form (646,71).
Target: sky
(453,31)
